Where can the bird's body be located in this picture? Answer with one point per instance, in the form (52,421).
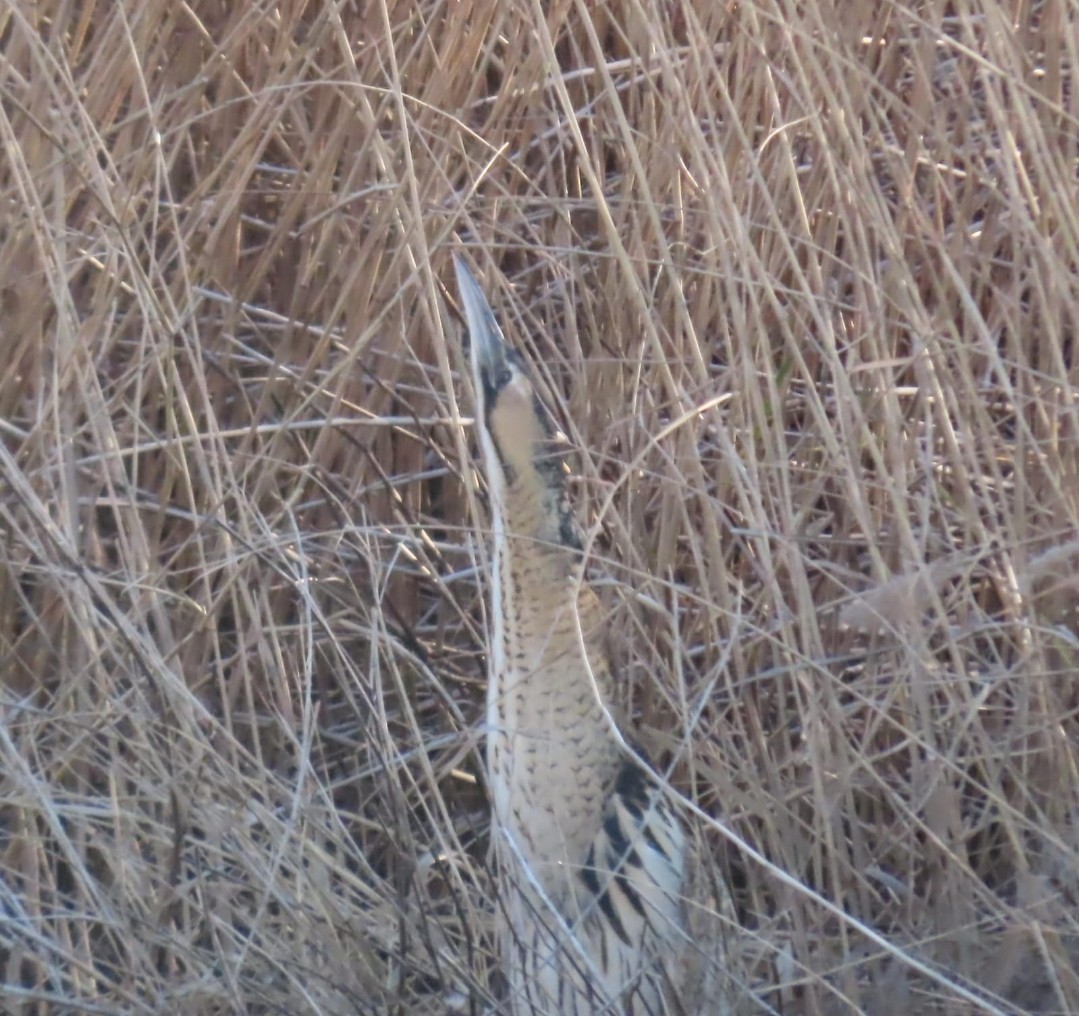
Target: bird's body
(590,856)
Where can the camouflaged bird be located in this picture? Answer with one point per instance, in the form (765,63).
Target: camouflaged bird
(591,858)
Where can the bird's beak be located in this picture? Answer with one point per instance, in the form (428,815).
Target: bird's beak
(488,343)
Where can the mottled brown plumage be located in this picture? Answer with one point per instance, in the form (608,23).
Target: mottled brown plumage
(590,855)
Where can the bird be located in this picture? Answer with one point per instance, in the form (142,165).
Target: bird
(589,852)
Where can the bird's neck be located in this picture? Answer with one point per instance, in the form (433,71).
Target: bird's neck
(550,689)
(543,559)
(548,615)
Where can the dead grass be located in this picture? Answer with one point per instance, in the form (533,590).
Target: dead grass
(801,279)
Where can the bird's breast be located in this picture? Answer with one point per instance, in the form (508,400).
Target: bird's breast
(552,753)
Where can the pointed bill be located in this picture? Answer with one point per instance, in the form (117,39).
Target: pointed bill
(487,341)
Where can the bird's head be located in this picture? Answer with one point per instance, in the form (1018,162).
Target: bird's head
(523,439)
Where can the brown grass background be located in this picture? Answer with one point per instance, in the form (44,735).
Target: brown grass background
(800,283)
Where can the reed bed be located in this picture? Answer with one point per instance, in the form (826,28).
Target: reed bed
(800,281)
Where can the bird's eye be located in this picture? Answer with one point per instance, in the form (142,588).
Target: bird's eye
(505,376)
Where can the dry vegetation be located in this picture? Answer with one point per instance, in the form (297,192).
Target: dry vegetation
(801,281)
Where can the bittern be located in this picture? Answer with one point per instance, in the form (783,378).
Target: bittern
(590,854)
